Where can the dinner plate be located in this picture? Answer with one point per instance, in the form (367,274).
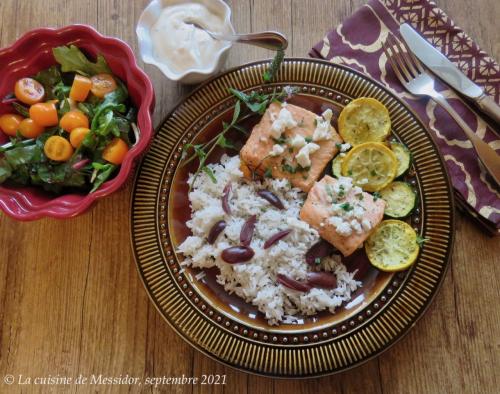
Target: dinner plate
(232,331)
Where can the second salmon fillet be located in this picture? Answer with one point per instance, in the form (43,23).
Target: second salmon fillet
(342,214)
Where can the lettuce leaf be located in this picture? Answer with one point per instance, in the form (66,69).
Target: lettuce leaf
(49,78)
(72,59)
(5,170)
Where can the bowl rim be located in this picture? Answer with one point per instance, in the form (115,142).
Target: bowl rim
(51,208)
(143,37)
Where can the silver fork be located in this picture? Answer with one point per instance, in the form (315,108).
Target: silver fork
(417,81)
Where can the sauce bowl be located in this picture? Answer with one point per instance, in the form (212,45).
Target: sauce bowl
(148,19)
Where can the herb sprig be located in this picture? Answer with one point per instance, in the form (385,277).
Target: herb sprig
(421,240)
(274,67)
(247,105)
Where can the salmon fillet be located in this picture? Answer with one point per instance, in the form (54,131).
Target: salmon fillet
(255,153)
(333,207)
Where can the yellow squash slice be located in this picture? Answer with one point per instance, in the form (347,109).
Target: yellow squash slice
(392,246)
(364,119)
(371,165)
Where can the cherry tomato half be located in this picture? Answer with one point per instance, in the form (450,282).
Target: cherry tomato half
(73,119)
(115,151)
(102,84)
(9,123)
(77,135)
(29,129)
(58,148)
(29,91)
(45,114)
(80,88)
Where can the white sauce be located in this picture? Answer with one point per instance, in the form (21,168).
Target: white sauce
(182,46)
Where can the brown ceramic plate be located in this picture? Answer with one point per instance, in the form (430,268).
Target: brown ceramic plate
(232,331)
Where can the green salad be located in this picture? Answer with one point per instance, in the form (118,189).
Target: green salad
(70,126)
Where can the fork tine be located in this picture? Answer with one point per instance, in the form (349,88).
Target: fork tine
(397,57)
(404,53)
(395,67)
(415,61)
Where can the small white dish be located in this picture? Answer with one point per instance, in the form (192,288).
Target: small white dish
(148,19)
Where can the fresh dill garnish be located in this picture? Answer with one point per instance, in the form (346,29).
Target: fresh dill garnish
(268,173)
(376,196)
(346,206)
(317,261)
(338,145)
(308,139)
(341,192)
(288,168)
(360,196)
(280,141)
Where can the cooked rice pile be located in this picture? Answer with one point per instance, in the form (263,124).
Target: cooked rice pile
(255,281)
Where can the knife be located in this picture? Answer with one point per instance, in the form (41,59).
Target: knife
(448,72)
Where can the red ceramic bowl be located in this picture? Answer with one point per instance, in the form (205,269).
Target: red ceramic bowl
(32,53)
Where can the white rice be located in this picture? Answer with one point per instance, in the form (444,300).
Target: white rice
(255,281)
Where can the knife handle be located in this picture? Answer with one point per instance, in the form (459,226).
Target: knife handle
(489,107)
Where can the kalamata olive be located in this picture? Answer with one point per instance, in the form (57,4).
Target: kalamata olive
(319,250)
(292,283)
(270,197)
(247,230)
(225,198)
(276,237)
(214,232)
(324,280)
(237,254)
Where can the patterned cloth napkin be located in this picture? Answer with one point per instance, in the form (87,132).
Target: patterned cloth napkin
(357,43)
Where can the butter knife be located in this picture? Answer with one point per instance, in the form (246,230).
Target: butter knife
(448,72)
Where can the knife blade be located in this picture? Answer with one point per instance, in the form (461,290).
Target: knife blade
(447,71)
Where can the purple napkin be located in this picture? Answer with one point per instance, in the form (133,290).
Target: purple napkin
(357,43)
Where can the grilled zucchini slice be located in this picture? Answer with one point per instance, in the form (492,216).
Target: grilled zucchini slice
(403,155)
(337,166)
(400,199)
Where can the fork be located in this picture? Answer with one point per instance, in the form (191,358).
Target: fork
(418,81)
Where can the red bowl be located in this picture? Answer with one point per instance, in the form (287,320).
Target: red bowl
(32,53)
